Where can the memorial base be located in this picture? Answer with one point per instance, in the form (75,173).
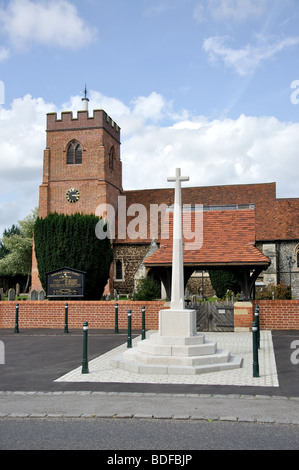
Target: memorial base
(176,349)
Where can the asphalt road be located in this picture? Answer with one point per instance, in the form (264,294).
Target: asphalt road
(156,437)
(38,413)
(35,358)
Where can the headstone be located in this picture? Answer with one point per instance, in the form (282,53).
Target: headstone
(1,294)
(33,295)
(11,294)
(17,289)
(41,295)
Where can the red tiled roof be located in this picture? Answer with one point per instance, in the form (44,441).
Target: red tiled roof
(228,239)
(275,219)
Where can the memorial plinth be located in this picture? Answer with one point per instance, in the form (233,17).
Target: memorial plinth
(177,348)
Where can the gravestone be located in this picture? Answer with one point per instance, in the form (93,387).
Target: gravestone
(11,294)
(17,289)
(1,294)
(41,295)
(33,295)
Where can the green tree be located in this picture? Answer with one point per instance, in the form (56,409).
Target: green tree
(17,243)
(147,289)
(70,241)
(14,230)
(223,280)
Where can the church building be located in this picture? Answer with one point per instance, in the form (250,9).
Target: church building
(245,228)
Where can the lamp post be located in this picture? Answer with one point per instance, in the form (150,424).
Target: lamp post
(291,261)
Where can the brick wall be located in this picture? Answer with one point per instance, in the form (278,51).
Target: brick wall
(99,314)
(243,315)
(278,314)
(274,314)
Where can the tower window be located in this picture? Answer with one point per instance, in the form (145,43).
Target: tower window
(118,270)
(74,153)
(111,158)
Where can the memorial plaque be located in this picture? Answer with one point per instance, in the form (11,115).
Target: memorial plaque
(65,282)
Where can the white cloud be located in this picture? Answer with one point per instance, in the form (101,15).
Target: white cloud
(150,107)
(246,60)
(4,53)
(211,152)
(230,10)
(218,152)
(51,23)
(22,141)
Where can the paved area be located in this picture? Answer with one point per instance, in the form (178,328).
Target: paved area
(42,378)
(239,344)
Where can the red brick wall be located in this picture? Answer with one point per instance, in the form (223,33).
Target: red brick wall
(278,314)
(273,314)
(243,315)
(99,314)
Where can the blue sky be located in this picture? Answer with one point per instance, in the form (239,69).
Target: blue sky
(205,85)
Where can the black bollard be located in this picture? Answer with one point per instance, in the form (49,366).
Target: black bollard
(257,320)
(143,323)
(85,347)
(116,319)
(66,330)
(17,319)
(129,343)
(255,350)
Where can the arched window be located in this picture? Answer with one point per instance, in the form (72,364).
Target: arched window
(111,157)
(74,153)
(118,270)
(297,257)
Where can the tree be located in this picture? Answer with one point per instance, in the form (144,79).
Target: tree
(223,280)
(147,289)
(70,241)
(14,230)
(17,244)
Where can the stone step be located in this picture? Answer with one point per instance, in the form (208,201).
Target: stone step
(155,338)
(220,356)
(168,350)
(234,362)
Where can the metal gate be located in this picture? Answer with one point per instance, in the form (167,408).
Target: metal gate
(214,316)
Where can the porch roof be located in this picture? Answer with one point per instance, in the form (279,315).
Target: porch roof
(228,240)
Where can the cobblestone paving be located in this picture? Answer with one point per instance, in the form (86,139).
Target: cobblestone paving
(240,344)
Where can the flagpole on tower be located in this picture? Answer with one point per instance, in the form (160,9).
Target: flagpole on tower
(85,100)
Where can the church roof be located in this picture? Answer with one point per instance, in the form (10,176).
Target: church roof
(275,219)
(224,238)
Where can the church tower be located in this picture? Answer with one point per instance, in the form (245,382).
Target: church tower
(82,167)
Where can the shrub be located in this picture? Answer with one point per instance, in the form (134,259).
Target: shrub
(222,281)
(147,289)
(272,291)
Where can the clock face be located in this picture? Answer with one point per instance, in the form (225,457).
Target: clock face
(72,195)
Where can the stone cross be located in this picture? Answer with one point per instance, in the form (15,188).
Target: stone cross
(177,282)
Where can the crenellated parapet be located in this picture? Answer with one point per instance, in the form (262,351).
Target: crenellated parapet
(99,120)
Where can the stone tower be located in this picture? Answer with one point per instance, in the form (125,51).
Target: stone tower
(82,167)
